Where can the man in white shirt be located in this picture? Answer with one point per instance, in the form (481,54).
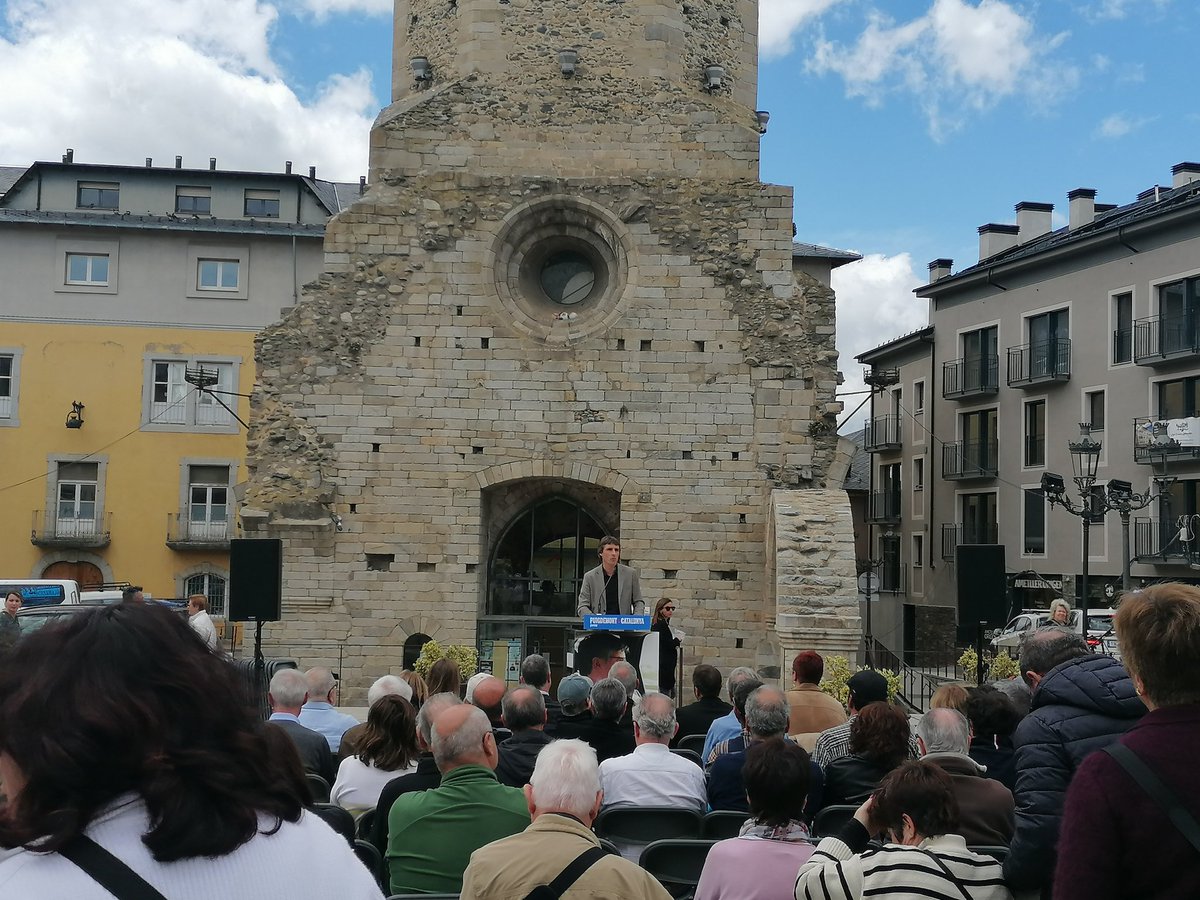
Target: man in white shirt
(200,620)
(652,775)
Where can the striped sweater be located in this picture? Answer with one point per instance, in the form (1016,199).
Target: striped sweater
(836,871)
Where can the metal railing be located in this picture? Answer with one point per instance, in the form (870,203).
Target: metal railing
(52,530)
(921,672)
(183,533)
(970,459)
(884,508)
(882,433)
(1040,362)
(1159,338)
(1155,540)
(970,376)
(953,535)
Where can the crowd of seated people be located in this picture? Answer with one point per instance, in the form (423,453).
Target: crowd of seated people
(487,793)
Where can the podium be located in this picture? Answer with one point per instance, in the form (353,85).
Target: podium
(616,623)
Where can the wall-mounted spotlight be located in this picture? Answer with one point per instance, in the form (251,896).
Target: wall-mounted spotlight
(714,77)
(421,69)
(763,118)
(568,58)
(75,416)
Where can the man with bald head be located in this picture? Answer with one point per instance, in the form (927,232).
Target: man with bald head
(432,834)
(525,715)
(488,696)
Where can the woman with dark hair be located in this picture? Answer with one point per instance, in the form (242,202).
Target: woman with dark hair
(878,743)
(122,736)
(444,678)
(387,749)
(761,862)
(668,645)
(993,719)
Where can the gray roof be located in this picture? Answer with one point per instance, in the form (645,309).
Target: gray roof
(921,334)
(801,250)
(9,175)
(1111,223)
(858,478)
(334,195)
(164,223)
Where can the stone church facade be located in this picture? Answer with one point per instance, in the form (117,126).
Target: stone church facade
(565,307)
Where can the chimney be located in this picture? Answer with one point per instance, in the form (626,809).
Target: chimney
(70,156)
(1104,208)
(1184,173)
(995,239)
(1033,220)
(212,164)
(312,171)
(287,167)
(1082,205)
(939,269)
(362,184)
(149,162)
(179,162)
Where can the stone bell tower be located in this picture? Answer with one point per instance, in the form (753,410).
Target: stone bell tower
(565,307)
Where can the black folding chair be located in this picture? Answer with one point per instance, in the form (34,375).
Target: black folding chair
(336,818)
(370,857)
(997,852)
(688,754)
(722,823)
(693,742)
(829,821)
(319,787)
(676,863)
(631,828)
(364,823)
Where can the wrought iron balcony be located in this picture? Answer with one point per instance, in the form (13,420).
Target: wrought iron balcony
(884,508)
(1149,448)
(52,530)
(1163,339)
(954,535)
(1157,541)
(963,460)
(184,534)
(1044,362)
(971,376)
(882,433)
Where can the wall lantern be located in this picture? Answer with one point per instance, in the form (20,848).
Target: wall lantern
(763,117)
(421,69)
(568,58)
(714,77)
(75,416)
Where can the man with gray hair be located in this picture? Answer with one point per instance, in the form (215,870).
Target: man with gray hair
(432,834)
(727,726)
(985,806)
(603,731)
(387,685)
(319,713)
(524,714)
(767,711)
(287,693)
(425,778)
(1081,703)
(652,775)
(625,673)
(563,797)
(535,672)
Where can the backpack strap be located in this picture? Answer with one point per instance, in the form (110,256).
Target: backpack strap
(108,871)
(1180,817)
(568,876)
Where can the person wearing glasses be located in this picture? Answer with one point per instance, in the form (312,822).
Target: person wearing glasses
(668,645)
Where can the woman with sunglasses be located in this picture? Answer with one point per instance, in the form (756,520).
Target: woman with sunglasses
(668,645)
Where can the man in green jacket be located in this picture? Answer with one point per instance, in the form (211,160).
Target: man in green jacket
(432,834)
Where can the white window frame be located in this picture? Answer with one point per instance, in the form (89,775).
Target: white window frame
(184,408)
(186,486)
(920,386)
(64,248)
(1026,402)
(1131,290)
(53,461)
(11,403)
(265,195)
(224,253)
(88,278)
(219,267)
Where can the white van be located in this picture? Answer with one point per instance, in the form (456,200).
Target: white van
(41,591)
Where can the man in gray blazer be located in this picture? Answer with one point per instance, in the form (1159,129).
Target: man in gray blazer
(611,588)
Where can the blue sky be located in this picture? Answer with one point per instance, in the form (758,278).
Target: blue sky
(902,124)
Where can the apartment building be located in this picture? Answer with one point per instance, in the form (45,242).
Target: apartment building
(129,301)
(1096,322)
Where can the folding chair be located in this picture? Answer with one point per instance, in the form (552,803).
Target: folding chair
(722,823)
(829,821)
(676,864)
(693,742)
(370,857)
(631,828)
(337,819)
(319,787)
(997,853)
(688,754)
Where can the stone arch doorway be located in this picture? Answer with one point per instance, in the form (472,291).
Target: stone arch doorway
(542,535)
(412,649)
(87,574)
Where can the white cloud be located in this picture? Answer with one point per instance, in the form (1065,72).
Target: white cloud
(122,81)
(957,56)
(875,303)
(323,8)
(1108,10)
(779,20)
(1118,125)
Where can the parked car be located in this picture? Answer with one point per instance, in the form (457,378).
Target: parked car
(42,591)
(1099,625)
(34,617)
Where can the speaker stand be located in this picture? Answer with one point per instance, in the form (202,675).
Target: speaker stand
(260,662)
(979,632)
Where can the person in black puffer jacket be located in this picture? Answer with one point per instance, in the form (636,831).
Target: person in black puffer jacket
(1081,703)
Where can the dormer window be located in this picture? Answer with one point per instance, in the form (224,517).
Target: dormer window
(97,195)
(262,204)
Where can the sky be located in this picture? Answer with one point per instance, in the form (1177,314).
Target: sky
(902,125)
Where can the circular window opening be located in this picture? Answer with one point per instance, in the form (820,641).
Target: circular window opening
(568,277)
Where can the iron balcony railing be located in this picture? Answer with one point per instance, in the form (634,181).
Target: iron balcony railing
(1159,339)
(971,376)
(52,530)
(969,459)
(954,535)
(951,538)
(185,534)
(1155,540)
(882,433)
(884,508)
(1150,446)
(1039,363)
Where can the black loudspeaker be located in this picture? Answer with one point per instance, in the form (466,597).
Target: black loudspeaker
(982,588)
(255,580)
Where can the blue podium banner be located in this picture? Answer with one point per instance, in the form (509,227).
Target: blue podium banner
(616,623)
